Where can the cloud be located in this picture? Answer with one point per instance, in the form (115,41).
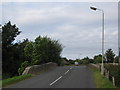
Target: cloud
(76,26)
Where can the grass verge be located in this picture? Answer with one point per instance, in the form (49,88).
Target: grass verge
(15,79)
(101,81)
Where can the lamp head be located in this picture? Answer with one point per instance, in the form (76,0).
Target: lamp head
(93,8)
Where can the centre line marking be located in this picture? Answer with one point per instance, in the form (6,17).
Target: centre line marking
(67,71)
(71,68)
(56,80)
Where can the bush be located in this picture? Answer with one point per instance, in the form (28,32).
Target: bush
(72,61)
(85,62)
(80,62)
(44,50)
(100,80)
(98,59)
(23,66)
(114,71)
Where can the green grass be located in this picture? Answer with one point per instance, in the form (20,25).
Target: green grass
(100,80)
(15,79)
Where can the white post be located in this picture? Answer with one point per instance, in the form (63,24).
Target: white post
(113,80)
(102,66)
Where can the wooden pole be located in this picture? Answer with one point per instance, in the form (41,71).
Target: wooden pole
(113,80)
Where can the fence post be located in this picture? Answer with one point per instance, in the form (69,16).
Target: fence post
(108,74)
(105,72)
(113,80)
(100,68)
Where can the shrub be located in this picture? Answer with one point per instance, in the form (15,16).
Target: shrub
(71,61)
(46,50)
(85,62)
(23,66)
(114,71)
(98,59)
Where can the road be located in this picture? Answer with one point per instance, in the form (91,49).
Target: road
(60,77)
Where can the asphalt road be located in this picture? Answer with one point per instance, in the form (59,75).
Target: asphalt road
(60,77)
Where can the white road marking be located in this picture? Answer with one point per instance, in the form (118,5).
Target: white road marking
(71,68)
(59,77)
(56,80)
(67,71)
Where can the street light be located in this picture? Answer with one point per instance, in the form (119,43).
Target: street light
(102,66)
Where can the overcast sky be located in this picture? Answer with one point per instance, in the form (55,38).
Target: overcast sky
(76,26)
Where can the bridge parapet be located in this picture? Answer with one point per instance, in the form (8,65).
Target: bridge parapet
(36,69)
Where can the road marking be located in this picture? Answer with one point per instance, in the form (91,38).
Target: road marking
(67,71)
(56,80)
(71,68)
(59,77)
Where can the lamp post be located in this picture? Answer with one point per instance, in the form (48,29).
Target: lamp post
(102,65)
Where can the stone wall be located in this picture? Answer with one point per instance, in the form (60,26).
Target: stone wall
(36,69)
(96,65)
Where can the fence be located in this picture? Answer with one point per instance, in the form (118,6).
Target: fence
(108,76)
(111,72)
(107,73)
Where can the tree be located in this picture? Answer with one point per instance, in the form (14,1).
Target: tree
(80,61)
(22,67)
(17,56)
(71,61)
(116,59)
(28,51)
(90,60)
(110,56)
(85,60)
(46,50)
(77,60)
(9,33)
(98,58)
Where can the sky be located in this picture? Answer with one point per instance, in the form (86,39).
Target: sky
(119,27)
(74,24)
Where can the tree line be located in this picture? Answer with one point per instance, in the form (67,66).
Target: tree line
(109,57)
(16,56)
